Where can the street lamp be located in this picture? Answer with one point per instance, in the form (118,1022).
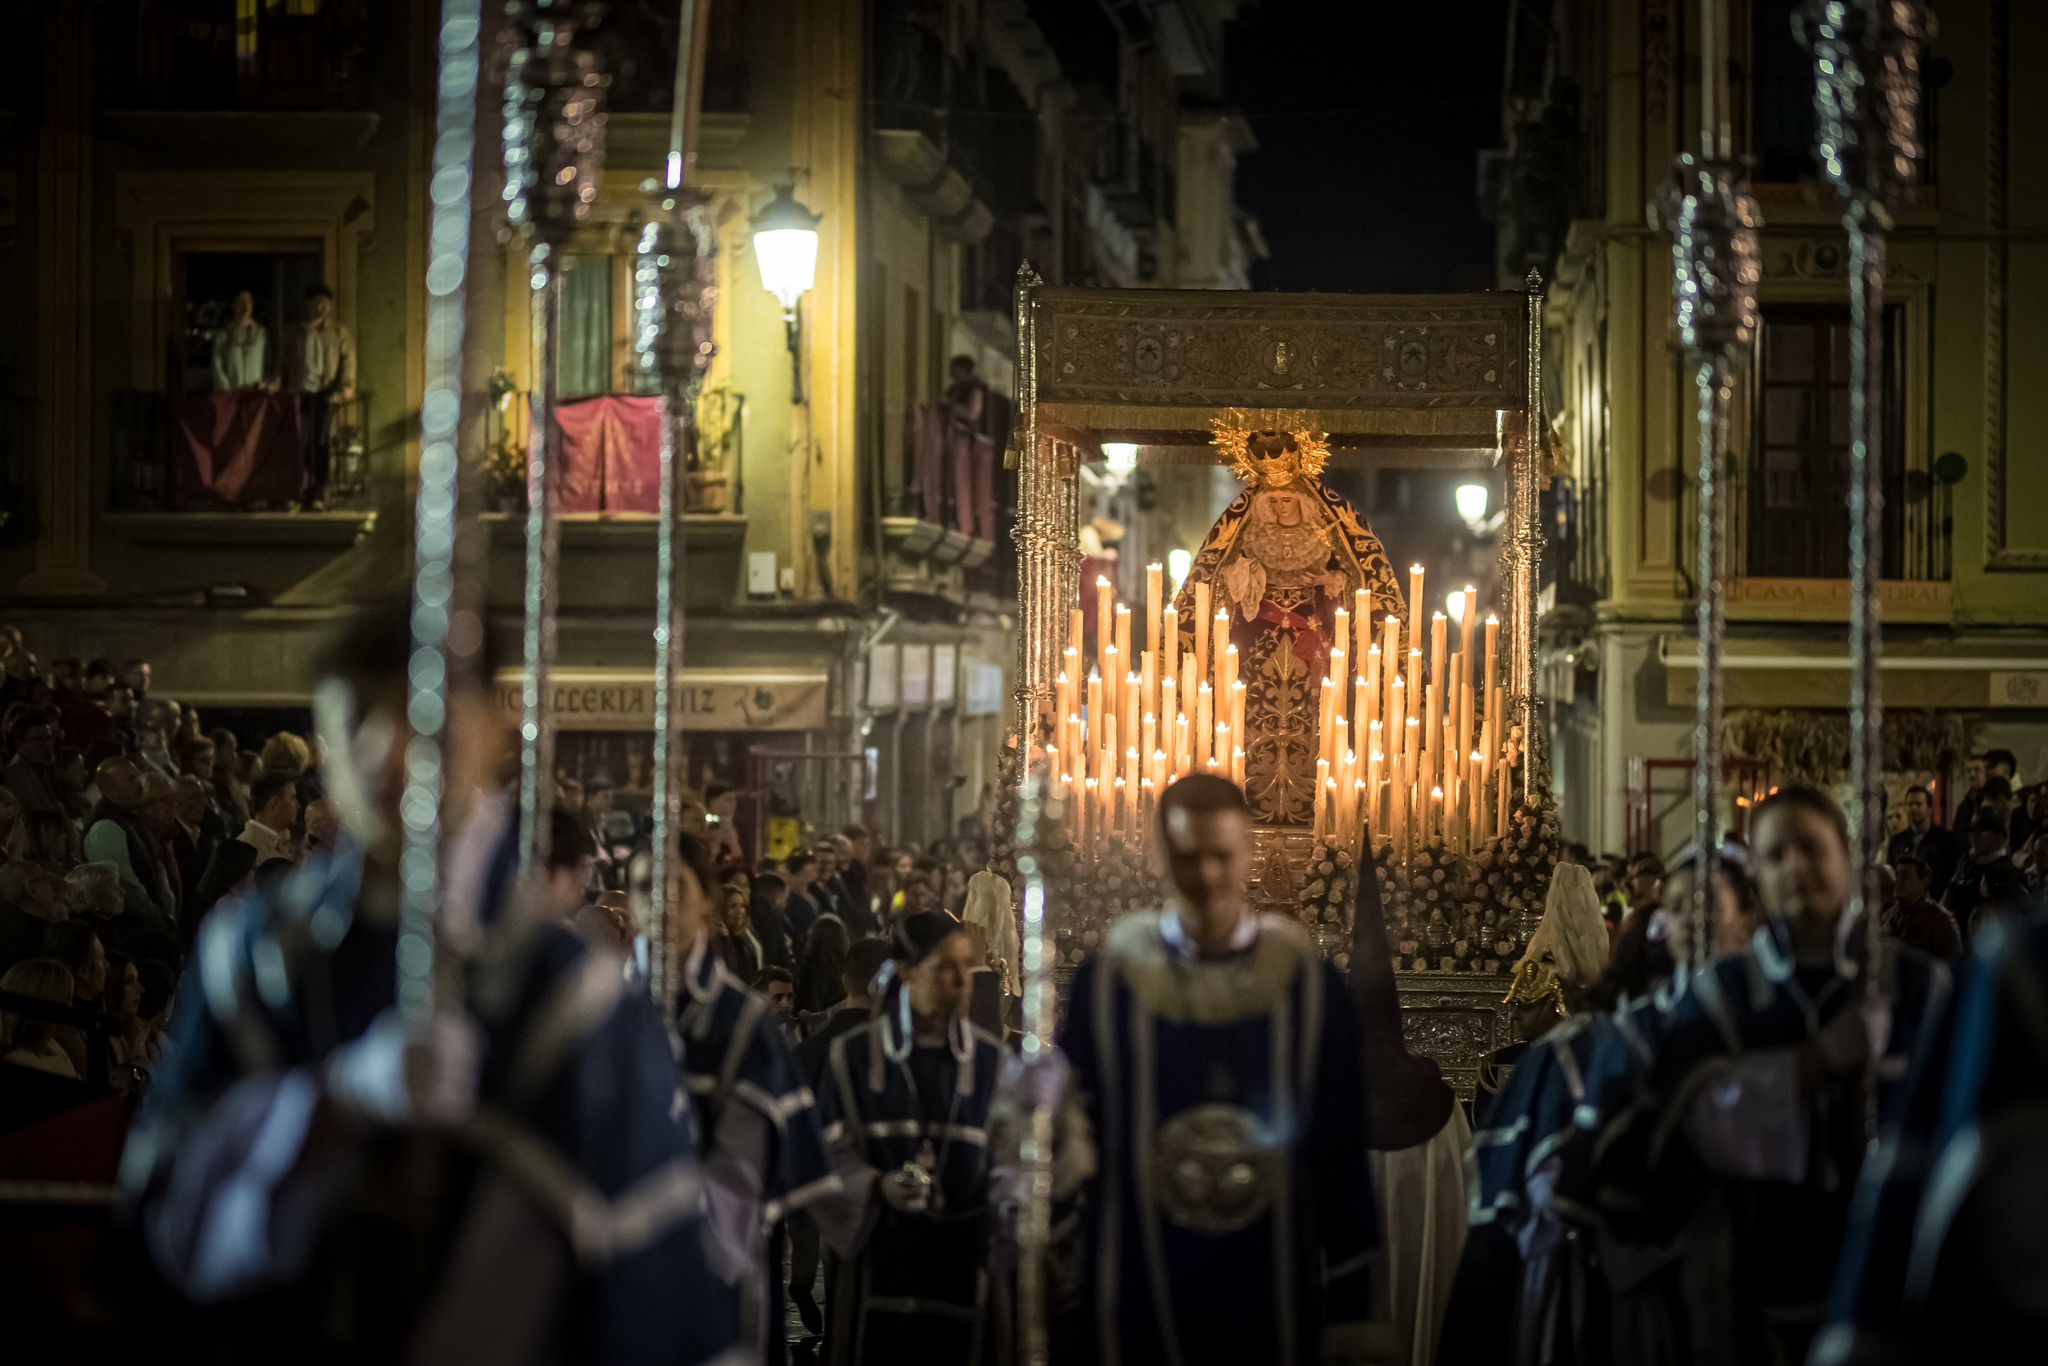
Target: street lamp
(1471,503)
(1121,461)
(786,249)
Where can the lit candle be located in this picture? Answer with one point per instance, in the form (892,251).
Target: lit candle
(1374,689)
(1361,705)
(1390,666)
(1094,716)
(1169,653)
(1229,679)
(1123,634)
(1429,754)
(1131,792)
(1169,708)
(1237,765)
(1155,584)
(1134,705)
(1237,696)
(1219,752)
(1438,628)
(1411,766)
(1340,640)
(1148,735)
(1436,806)
(1467,621)
(1486,678)
(1148,684)
(1373,764)
(1361,620)
(1326,732)
(1415,598)
(1112,687)
(1105,625)
(1201,625)
(1205,724)
(1077,635)
(1323,789)
(1474,799)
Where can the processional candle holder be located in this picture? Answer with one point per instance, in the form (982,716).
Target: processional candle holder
(1044,862)
(673,298)
(554,155)
(1867,82)
(1716,265)
(447,628)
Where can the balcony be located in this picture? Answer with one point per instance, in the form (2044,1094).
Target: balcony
(242,451)
(201,55)
(925,125)
(950,504)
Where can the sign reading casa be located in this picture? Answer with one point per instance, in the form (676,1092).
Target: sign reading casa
(706,699)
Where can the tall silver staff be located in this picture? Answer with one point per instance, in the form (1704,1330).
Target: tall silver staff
(554,151)
(446,626)
(673,299)
(1042,853)
(1866,58)
(1715,268)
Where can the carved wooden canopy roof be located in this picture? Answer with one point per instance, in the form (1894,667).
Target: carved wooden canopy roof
(1370,369)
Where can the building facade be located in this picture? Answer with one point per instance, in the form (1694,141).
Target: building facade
(850,579)
(1601,95)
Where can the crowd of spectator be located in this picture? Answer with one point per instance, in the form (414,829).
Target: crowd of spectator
(123,821)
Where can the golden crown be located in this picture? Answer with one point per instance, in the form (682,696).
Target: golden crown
(1233,428)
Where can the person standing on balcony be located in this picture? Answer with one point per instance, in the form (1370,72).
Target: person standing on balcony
(241,350)
(322,360)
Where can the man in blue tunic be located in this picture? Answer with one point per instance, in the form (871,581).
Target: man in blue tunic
(1219,1063)
(517,1184)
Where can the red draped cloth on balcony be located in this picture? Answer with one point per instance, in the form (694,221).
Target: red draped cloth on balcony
(235,449)
(611,454)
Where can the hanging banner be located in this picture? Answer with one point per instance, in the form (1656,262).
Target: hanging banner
(707,699)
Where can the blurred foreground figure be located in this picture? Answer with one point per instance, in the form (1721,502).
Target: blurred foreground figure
(757,1120)
(1217,1058)
(1946,1247)
(1676,1173)
(313,1182)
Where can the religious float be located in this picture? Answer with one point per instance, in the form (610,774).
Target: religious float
(1294,657)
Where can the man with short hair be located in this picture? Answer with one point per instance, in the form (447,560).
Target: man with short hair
(156,723)
(320,366)
(1987,849)
(1217,1060)
(1915,917)
(273,811)
(31,775)
(852,844)
(779,986)
(116,833)
(1923,839)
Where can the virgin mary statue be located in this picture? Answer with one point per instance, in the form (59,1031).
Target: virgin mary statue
(1282,558)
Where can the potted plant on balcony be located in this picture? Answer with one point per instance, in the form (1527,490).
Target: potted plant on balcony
(505,447)
(721,414)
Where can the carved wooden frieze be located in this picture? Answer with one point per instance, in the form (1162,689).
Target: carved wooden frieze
(1179,348)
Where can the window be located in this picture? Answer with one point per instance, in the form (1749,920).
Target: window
(274,275)
(1785,120)
(584,366)
(1797,504)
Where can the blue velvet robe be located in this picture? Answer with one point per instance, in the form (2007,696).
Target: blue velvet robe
(1233,1215)
(913,1287)
(762,1143)
(1927,1273)
(1589,1147)
(578,1089)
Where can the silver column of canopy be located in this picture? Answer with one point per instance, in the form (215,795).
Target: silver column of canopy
(446,626)
(673,294)
(1715,268)
(1042,857)
(1866,58)
(554,152)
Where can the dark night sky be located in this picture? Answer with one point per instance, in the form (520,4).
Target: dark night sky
(1370,116)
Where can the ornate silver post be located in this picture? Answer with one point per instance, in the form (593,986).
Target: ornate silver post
(1042,854)
(554,151)
(1715,269)
(1040,634)
(1525,513)
(446,627)
(673,295)
(1866,56)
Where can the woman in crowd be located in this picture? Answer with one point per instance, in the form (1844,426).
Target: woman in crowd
(29,1042)
(906,1100)
(818,979)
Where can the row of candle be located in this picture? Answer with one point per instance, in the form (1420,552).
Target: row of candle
(1414,758)
(1127,725)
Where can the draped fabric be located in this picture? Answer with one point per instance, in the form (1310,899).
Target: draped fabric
(237,449)
(584,367)
(611,454)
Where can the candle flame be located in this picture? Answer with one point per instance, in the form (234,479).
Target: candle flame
(1415,569)
(1101,581)
(1095,675)
(1492,620)
(1436,616)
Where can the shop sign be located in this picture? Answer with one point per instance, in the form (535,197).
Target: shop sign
(2019,688)
(706,699)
